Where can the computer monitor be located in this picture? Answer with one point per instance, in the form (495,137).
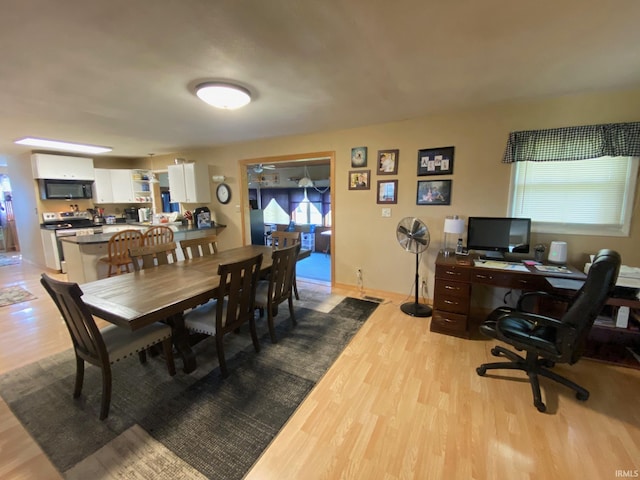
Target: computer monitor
(499,235)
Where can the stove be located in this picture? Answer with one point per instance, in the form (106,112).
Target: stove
(68,221)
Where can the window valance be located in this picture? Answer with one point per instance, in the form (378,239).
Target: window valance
(574,143)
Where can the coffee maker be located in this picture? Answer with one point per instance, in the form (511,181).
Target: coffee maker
(131,214)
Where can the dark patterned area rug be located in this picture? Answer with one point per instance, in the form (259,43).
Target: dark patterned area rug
(6,260)
(219,427)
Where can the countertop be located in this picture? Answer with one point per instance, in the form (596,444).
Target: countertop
(104,237)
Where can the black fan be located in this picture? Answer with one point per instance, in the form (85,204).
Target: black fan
(413,236)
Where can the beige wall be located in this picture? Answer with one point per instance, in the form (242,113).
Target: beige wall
(363,239)
(366,240)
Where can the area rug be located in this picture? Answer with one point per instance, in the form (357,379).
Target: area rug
(214,426)
(6,260)
(15,294)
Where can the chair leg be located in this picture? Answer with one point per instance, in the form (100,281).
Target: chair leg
(254,334)
(106,391)
(291,312)
(581,393)
(272,328)
(79,377)
(535,390)
(223,363)
(295,287)
(167,346)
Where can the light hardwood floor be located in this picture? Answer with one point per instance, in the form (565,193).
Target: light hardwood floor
(400,402)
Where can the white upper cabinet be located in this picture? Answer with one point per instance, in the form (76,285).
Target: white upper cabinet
(61,167)
(122,186)
(189,183)
(102,189)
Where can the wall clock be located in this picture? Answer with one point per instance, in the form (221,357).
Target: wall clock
(223,192)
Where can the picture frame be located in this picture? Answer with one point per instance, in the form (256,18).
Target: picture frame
(358,157)
(434,192)
(435,161)
(388,162)
(359,179)
(387,191)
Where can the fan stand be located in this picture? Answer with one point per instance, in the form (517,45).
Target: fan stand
(416,309)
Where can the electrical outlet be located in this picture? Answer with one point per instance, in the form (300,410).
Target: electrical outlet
(386,212)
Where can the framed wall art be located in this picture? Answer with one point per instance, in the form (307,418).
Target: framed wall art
(435,161)
(388,162)
(387,191)
(358,157)
(434,192)
(359,179)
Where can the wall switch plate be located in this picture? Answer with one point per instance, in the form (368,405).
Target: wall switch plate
(386,212)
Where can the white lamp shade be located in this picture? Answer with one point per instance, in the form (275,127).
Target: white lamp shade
(453,225)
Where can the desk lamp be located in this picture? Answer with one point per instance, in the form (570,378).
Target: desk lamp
(452,225)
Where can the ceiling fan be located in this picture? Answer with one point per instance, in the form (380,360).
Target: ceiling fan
(260,168)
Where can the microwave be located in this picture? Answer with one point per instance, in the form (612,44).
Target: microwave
(65,189)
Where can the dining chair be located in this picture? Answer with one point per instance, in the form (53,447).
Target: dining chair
(199,247)
(148,256)
(234,305)
(157,235)
(106,346)
(280,239)
(279,286)
(118,250)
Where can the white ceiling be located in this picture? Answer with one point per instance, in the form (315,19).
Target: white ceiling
(121,72)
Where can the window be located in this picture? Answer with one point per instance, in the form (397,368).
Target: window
(588,197)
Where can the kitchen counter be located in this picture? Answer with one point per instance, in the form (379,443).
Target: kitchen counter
(179,231)
(82,253)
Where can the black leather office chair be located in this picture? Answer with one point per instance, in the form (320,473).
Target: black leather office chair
(546,340)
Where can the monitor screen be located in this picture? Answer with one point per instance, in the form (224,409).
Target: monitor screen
(499,234)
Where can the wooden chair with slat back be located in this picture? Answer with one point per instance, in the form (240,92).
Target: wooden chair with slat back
(233,306)
(148,256)
(118,250)
(281,239)
(199,247)
(279,287)
(102,347)
(157,235)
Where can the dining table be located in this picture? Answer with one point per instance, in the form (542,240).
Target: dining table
(163,293)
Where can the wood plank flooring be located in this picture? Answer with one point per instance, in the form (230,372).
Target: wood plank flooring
(400,402)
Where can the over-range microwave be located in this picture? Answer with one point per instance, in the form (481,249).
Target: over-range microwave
(65,189)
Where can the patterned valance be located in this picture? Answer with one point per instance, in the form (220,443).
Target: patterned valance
(574,143)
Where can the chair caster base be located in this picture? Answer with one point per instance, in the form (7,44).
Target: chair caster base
(540,406)
(582,396)
(481,371)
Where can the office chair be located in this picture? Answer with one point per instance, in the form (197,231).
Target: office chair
(547,340)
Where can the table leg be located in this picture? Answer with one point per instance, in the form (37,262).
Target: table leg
(181,342)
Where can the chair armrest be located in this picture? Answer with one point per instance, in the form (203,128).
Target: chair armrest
(539,320)
(551,296)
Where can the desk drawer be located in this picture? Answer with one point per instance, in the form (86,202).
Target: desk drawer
(452,272)
(451,303)
(509,280)
(449,323)
(453,289)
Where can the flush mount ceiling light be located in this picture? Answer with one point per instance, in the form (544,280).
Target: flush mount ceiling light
(58,145)
(223,95)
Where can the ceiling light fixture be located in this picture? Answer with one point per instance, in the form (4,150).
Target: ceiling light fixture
(305,181)
(58,145)
(223,95)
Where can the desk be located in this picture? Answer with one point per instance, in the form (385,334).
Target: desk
(455,278)
(137,299)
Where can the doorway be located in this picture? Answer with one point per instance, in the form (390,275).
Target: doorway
(292,192)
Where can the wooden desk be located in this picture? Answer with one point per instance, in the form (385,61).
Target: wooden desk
(137,299)
(455,278)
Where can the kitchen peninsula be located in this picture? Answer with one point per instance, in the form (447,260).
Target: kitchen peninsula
(82,253)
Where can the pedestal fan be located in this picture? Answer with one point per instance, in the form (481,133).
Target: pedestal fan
(413,236)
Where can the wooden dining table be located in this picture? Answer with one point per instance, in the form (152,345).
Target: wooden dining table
(135,300)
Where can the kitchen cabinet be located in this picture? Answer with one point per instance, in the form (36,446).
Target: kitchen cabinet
(189,183)
(121,186)
(61,167)
(50,245)
(102,188)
